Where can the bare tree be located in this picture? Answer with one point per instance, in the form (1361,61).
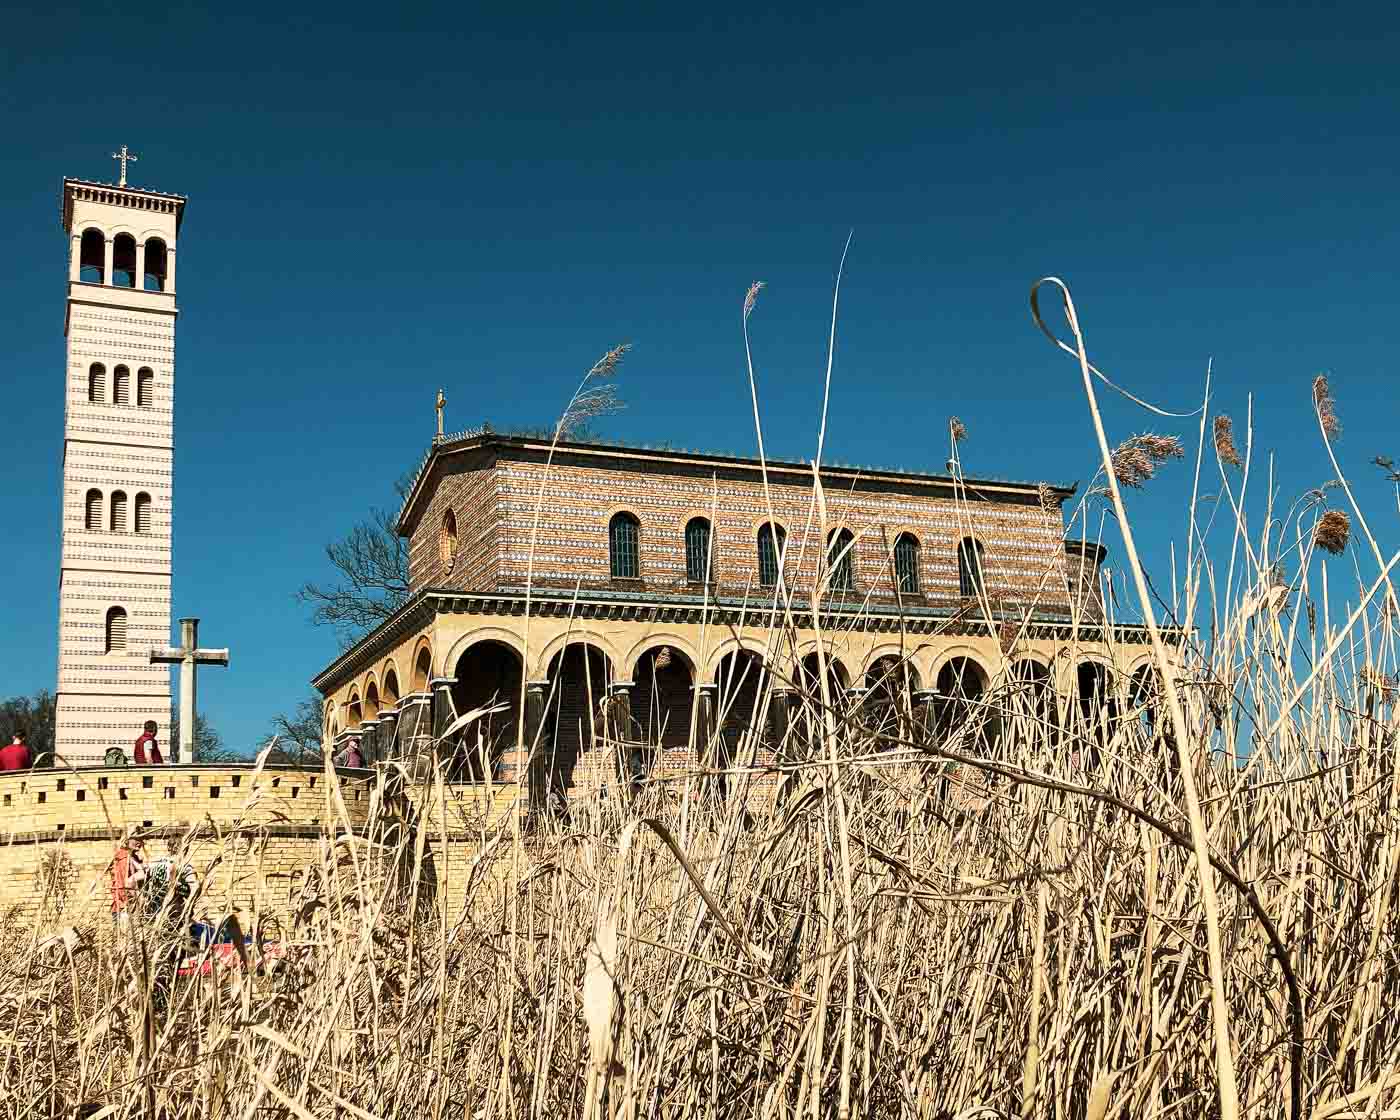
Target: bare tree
(372,562)
(299,734)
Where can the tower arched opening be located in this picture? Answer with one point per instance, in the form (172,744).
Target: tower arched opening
(154,278)
(92,257)
(123,261)
(115,630)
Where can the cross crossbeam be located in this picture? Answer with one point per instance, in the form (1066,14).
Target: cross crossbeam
(189,657)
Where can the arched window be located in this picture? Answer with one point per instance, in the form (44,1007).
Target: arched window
(769,553)
(92,517)
(154,280)
(840,558)
(624,534)
(97,383)
(124,261)
(121,385)
(447,539)
(697,550)
(116,630)
(145,388)
(92,257)
(118,524)
(906,563)
(971,582)
(143,513)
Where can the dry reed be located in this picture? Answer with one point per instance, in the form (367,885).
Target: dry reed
(990,909)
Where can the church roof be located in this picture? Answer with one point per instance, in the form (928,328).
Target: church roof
(477,438)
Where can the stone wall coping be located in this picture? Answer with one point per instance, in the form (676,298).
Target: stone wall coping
(249,767)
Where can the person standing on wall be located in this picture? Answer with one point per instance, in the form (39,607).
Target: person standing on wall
(147,748)
(17,755)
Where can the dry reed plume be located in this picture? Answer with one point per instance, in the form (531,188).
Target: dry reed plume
(1225,442)
(1332,532)
(1136,460)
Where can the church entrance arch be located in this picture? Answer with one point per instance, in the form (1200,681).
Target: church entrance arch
(958,689)
(736,702)
(488,673)
(890,685)
(1097,708)
(579,675)
(662,698)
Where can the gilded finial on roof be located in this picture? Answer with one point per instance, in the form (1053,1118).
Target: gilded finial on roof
(440,406)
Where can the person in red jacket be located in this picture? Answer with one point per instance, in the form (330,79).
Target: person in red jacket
(16,756)
(147,743)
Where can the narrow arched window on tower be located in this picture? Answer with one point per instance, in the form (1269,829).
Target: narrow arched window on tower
(123,261)
(840,550)
(145,387)
(97,383)
(118,511)
(92,257)
(92,515)
(143,513)
(154,280)
(971,580)
(121,385)
(116,630)
(698,561)
(624,541)
(447,540)
(906,563)
(770,547)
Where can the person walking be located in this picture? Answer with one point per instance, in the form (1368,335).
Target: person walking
(147,747)
(17,755)
(128,870)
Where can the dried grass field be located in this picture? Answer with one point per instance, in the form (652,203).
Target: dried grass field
(1181,903)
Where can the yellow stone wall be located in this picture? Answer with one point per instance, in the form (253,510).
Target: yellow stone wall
(256,838)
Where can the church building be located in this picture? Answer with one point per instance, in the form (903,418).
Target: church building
(666,580)
(118,447)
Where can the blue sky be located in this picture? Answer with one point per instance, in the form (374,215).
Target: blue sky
(384,200)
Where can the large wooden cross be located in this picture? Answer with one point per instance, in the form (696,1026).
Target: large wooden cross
(188,656)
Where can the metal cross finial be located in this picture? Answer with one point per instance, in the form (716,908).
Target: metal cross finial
(440,406)
(188,655)
(124,156)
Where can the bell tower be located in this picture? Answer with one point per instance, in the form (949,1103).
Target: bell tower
(118,449)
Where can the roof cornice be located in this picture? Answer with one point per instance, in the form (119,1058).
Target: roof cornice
(794,472)
(135,198)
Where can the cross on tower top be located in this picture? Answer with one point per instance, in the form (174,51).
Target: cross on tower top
(125,157)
